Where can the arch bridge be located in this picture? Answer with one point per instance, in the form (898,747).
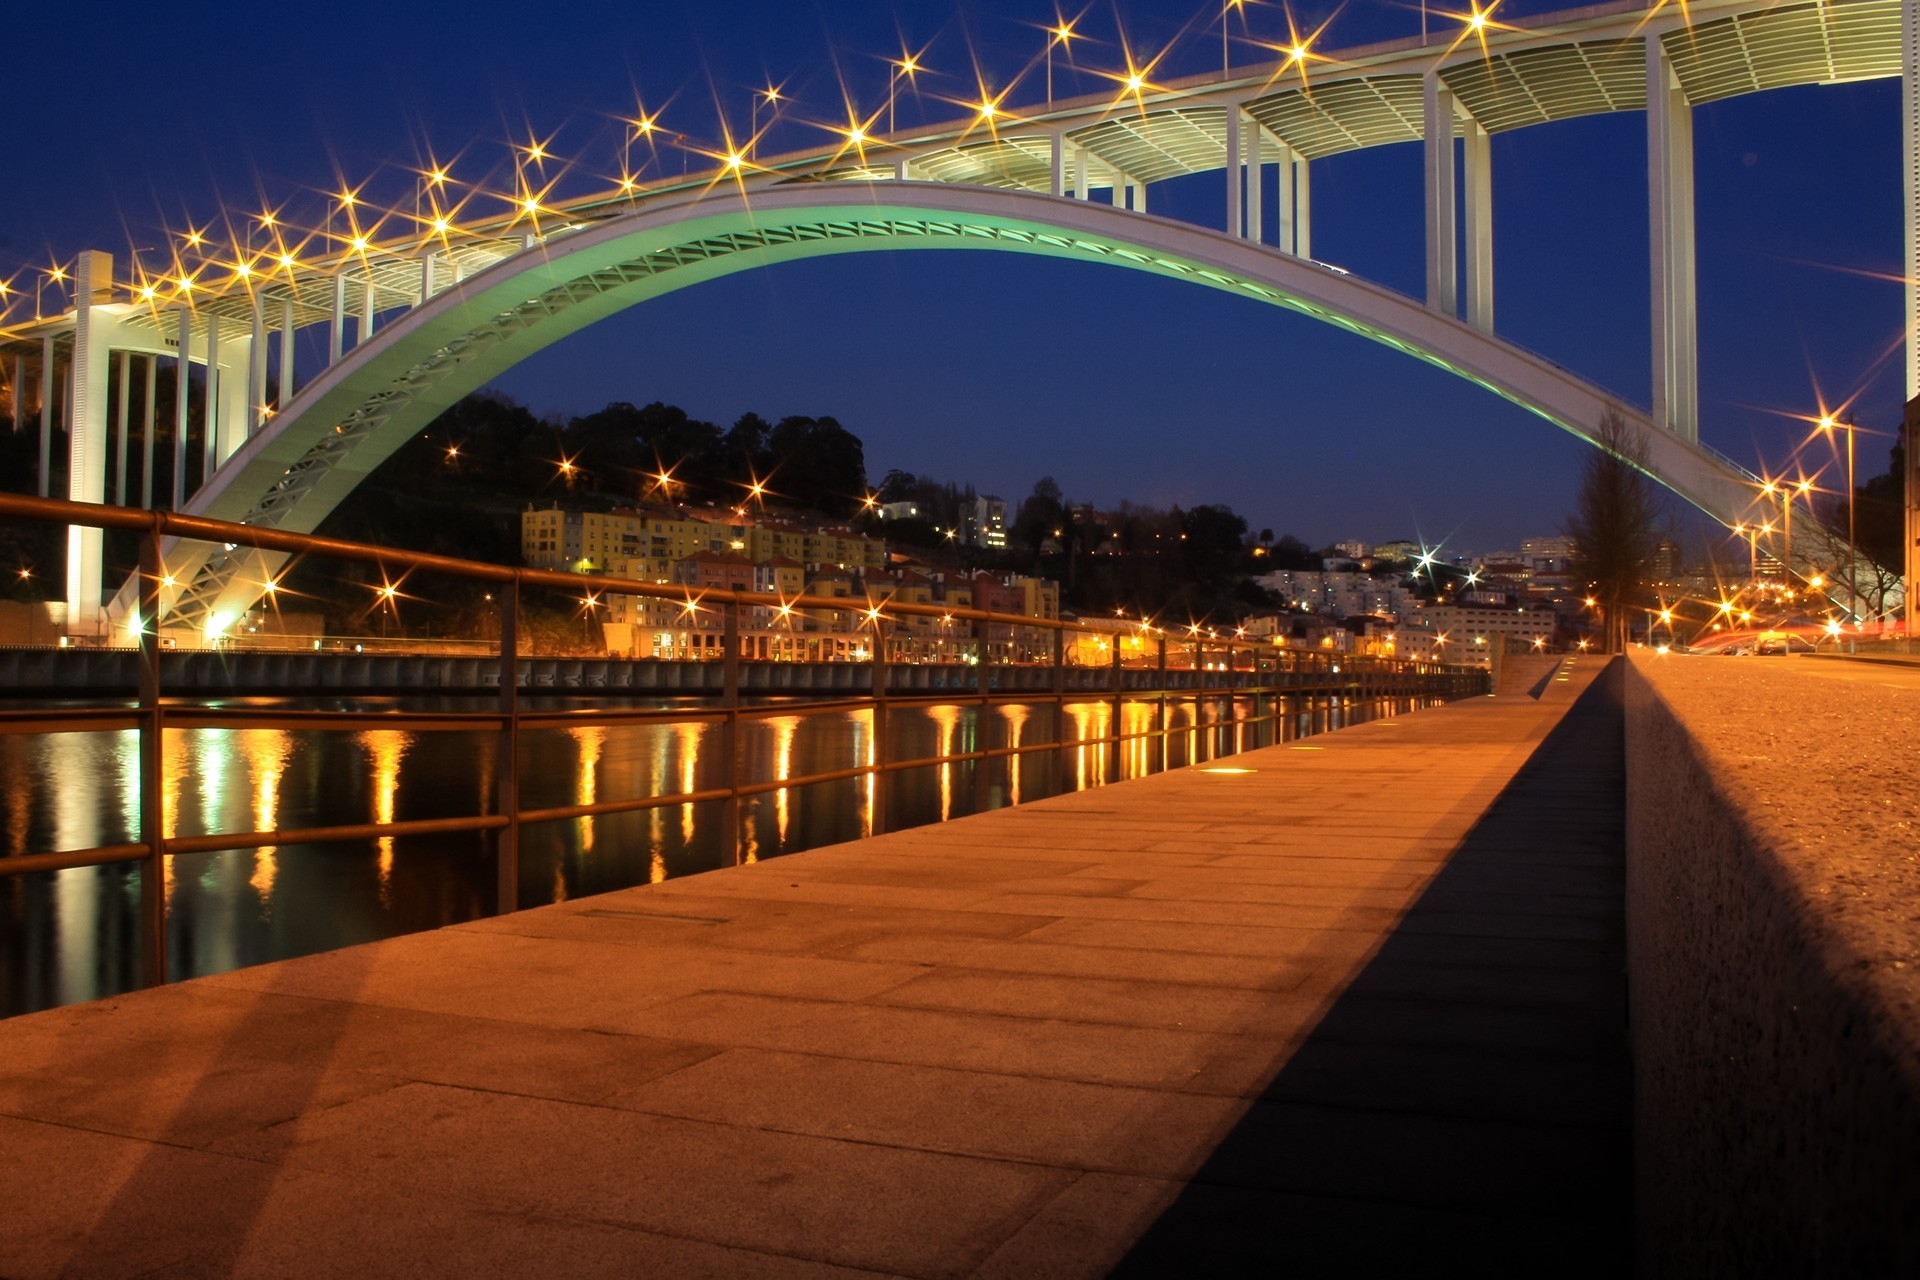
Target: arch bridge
(437,315)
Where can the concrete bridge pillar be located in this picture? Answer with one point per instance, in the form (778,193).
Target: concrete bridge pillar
(86,441)
(46,415)
(1676,363)
(286,354)
(1283,189)
(1256,172)
(337,332)
(1479,228)
(1232,167)
(1442,268)
(256,415)
(1910,138)
(1302,208)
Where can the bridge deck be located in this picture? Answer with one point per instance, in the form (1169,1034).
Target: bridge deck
(1362,1005)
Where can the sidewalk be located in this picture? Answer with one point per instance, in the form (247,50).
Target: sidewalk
(1360,1006)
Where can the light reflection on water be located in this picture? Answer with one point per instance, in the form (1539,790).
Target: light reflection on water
(74,935)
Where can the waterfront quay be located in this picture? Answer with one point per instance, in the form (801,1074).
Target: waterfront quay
(1341,1002)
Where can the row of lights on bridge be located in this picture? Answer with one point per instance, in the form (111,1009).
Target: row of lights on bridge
(436,216)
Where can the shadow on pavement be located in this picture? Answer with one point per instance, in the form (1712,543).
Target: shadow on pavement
(1467,1098)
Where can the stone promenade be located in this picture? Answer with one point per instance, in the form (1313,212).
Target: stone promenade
(1352,1003)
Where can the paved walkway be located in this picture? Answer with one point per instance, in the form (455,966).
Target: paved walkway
(1358,1007)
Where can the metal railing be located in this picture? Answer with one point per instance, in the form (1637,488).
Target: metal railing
(1234,671)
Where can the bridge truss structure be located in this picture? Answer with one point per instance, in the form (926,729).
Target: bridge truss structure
(414,323)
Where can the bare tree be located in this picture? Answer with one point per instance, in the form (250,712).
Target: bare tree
(1614,526)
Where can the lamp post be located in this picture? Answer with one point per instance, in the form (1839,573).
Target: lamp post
(907,66)
(1828,425)
(771,96)
(1226,10)
(1058,35)
(1787,490)
(1751,533)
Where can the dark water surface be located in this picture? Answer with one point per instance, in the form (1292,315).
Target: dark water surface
(68,936)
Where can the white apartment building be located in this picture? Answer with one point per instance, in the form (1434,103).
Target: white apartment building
(1343,595)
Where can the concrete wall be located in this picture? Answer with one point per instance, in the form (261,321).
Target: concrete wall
(183,673)
(1773,922)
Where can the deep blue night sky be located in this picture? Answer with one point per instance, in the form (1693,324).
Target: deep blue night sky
(993,368)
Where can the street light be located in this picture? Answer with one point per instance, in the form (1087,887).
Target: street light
(771,96)
(1787,490)
(1225,10)
(906,66)
(1828,425)
(1059,34)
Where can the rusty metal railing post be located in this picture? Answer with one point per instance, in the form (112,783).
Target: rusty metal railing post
(153,821)
(1160,708)
(506,764)
(1060,755)
(982,723)
(730,734)
(878,778)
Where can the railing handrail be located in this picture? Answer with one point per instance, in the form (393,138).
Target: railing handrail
(154,716)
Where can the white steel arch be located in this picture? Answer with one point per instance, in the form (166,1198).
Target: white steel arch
(345,423)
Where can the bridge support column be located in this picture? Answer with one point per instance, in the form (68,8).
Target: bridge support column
(1912,594)
(286,355)
(1479,229)
(46,416)
(1670,215)
(1442,252)
(1136,196)
(182,380)
(148,412)
(212,426)
(86,442)
(257,371)
(1910,138)
(122,405)
(1232,168)
(1256,165)
(337,336)
(365,331)
(1082,178)
(1283,196)
(428,261)
(1058,170)
(1302,207)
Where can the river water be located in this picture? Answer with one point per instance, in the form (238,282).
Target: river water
(68,936)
